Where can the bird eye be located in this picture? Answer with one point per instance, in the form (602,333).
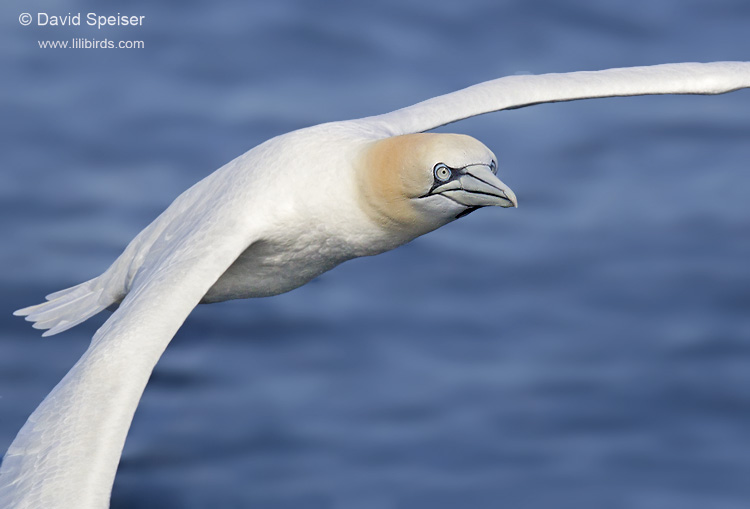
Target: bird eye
(442,172)
(493,166)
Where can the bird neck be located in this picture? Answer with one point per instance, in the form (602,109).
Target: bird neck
(384,180)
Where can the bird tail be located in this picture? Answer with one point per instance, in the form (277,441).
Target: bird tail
(66,308)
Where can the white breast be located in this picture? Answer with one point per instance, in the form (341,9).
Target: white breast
(305,186)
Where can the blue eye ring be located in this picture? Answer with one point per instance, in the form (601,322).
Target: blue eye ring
(493,167)
(442,172)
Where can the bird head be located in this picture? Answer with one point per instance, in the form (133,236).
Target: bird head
(420,182)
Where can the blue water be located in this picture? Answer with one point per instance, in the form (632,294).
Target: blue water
(589,349)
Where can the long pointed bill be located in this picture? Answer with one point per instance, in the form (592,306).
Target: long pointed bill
(479,187)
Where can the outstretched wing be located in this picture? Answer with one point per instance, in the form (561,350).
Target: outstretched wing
(67,453)
(518,91)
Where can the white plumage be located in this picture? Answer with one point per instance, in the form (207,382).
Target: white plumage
(265,223)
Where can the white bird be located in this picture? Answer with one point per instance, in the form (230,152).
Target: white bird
(265,223)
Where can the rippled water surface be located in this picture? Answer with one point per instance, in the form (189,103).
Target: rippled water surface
(589,349)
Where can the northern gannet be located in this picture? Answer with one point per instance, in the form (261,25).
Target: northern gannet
(265,223)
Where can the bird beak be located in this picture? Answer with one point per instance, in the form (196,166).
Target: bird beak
(478,187)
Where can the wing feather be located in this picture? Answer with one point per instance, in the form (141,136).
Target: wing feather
(71,462)
(518,91)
